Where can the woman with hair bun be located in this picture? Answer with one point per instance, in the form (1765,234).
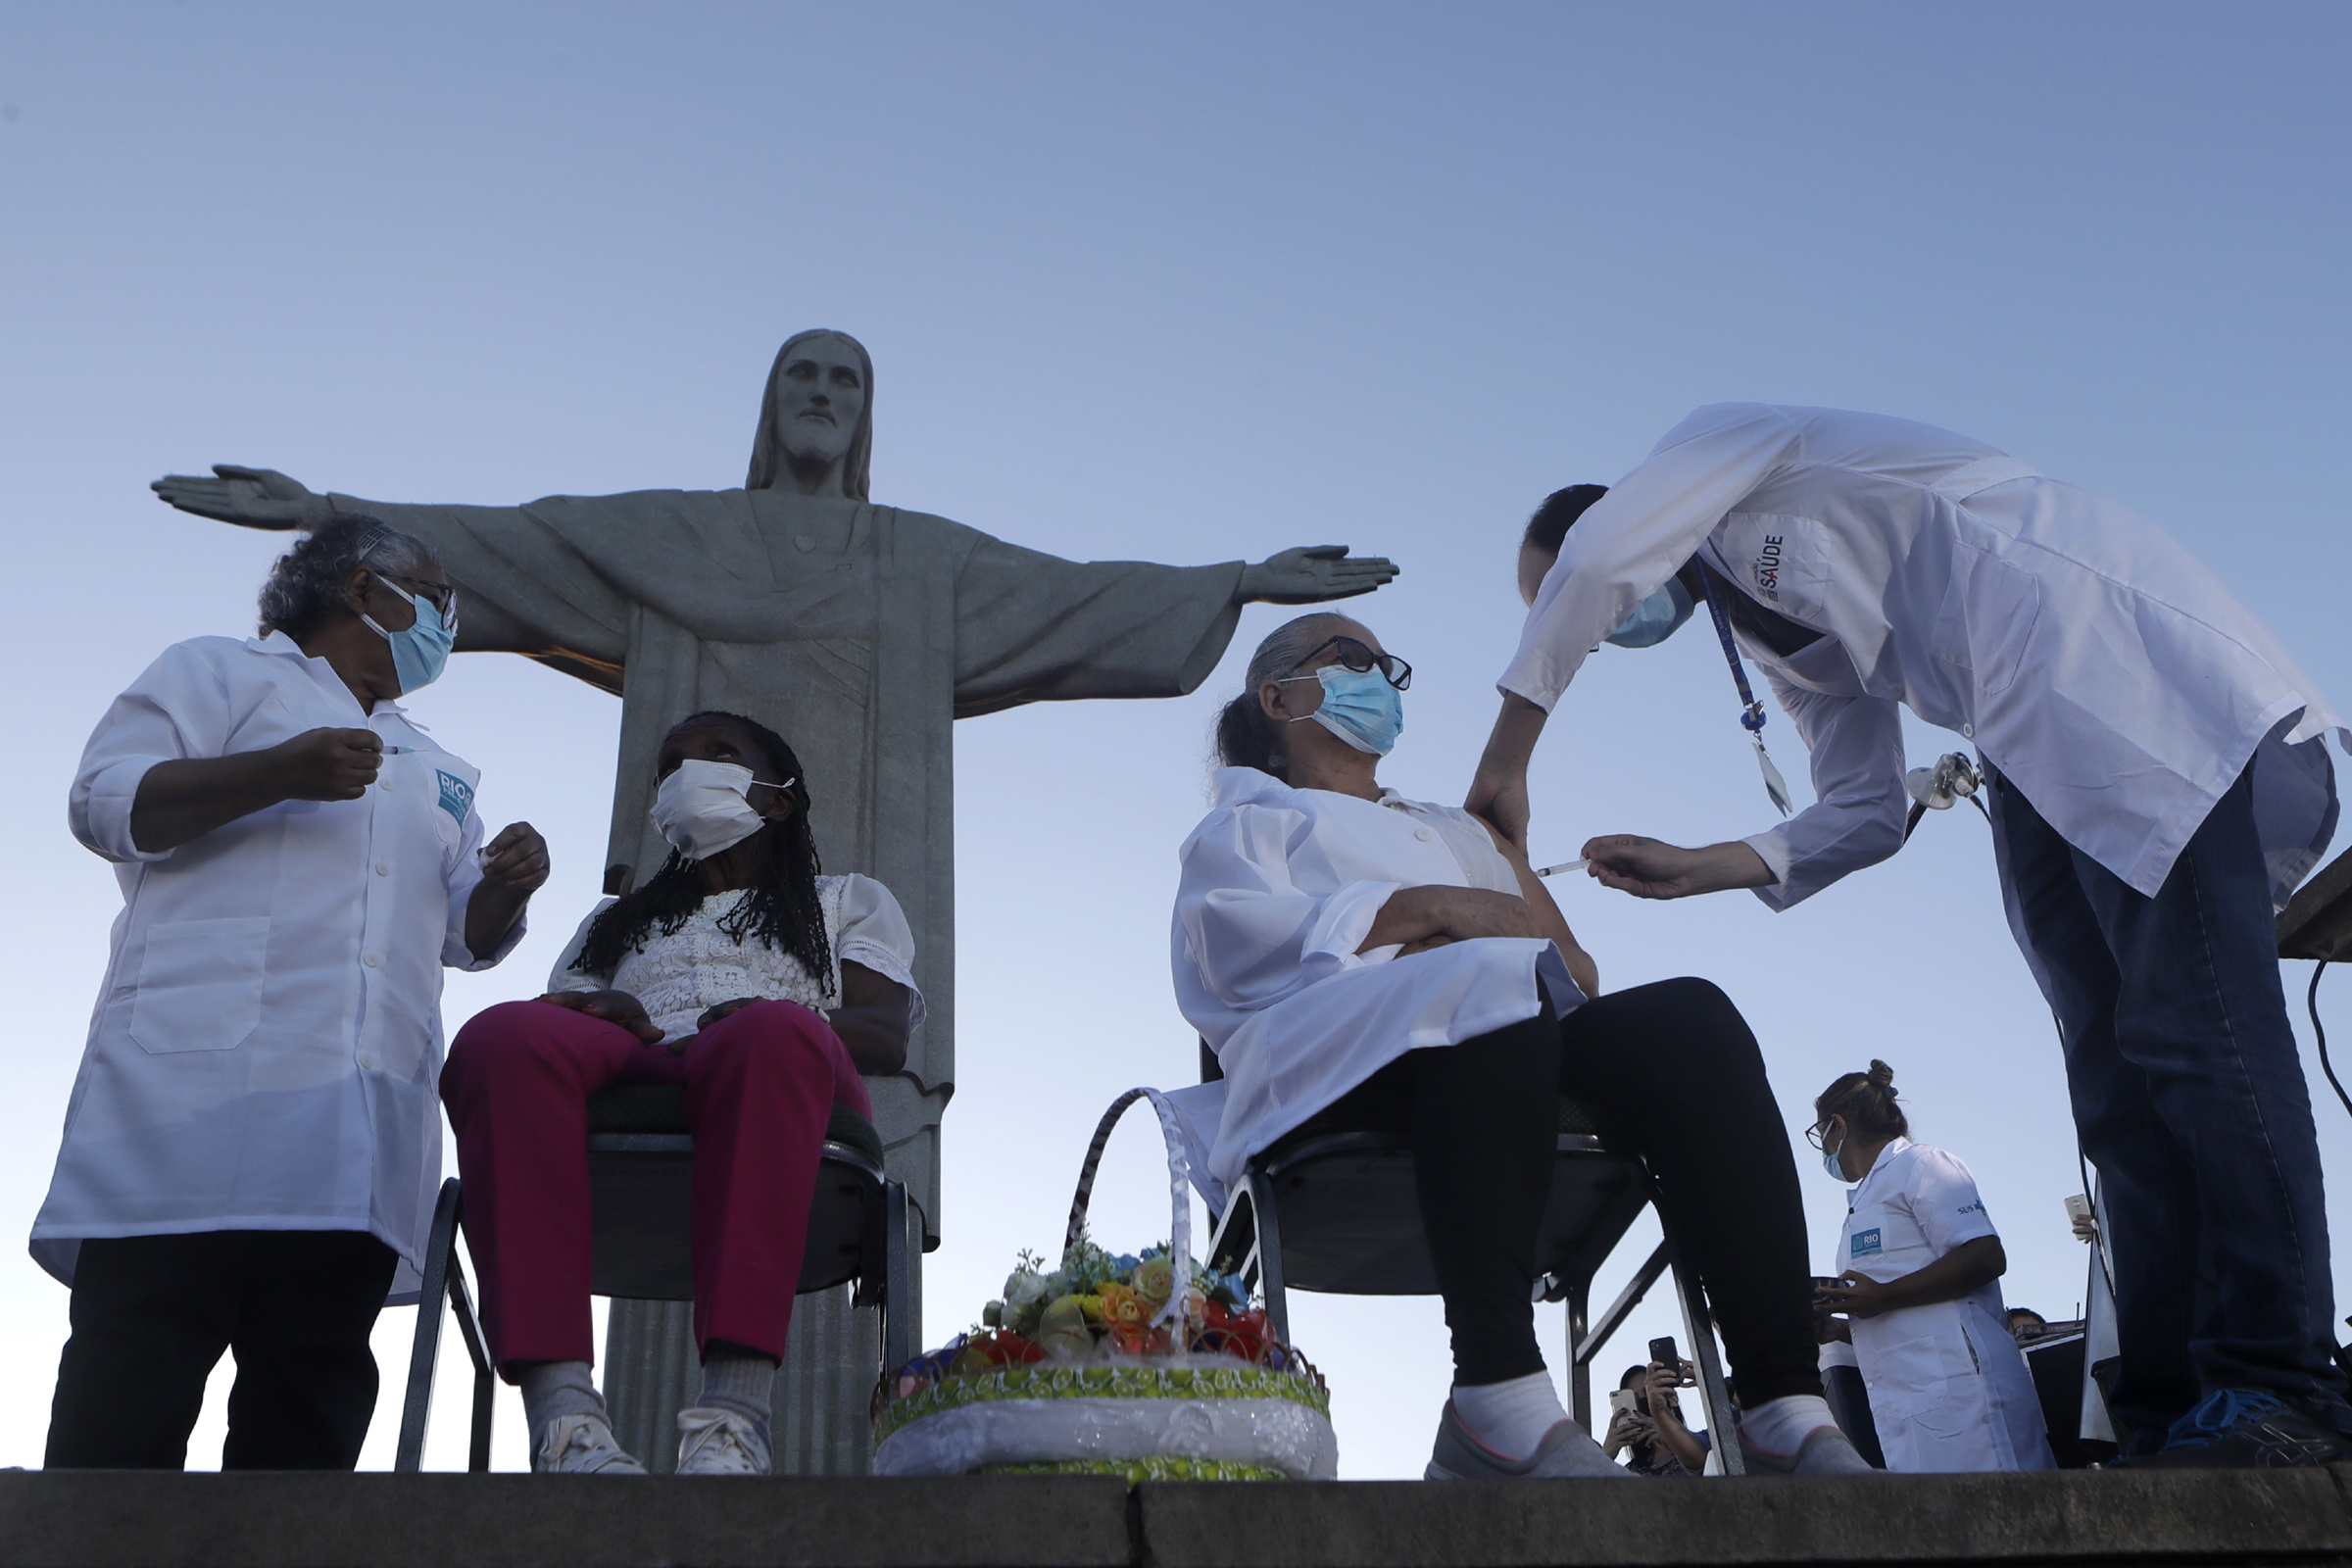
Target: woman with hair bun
(1920,1266)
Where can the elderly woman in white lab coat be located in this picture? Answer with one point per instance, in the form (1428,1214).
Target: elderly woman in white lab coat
(1921,1267)
(1343,949)
(2160,782)
(253,1145)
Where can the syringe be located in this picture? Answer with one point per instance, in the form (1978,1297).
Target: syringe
(1564,865)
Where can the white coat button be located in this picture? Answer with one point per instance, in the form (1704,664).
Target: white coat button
(383,783)
(1423,834)
(381,869)
(369,961)
(1967,731)
(367,1063)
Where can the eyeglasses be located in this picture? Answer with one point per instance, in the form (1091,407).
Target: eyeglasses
(442,596)
(1817,1135)
(1354,656)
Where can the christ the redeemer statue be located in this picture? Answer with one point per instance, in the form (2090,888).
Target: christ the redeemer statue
(858,632)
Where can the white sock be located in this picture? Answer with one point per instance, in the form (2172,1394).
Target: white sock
(741,1381)
(1781,1426)
(551,1390)
(1511,1418)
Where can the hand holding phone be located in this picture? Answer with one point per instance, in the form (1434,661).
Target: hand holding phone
(1662,1350)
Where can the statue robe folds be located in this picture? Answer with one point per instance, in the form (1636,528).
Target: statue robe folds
(858,632)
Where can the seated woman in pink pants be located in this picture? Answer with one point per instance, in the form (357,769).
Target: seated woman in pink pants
(764,989)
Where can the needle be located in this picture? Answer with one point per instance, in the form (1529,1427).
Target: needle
(1564,865)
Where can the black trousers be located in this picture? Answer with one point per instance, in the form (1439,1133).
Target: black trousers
(150,1315)
(1675,1074)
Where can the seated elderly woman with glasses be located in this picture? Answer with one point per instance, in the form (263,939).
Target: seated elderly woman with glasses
(1344,948)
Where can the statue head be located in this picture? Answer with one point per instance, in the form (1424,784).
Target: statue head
(816,421)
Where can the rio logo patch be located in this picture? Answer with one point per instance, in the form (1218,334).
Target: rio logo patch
(457,796)
(1867,1243)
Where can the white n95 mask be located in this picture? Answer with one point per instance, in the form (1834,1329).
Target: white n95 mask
(702,810)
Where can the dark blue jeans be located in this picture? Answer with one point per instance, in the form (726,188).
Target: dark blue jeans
(2189,1098)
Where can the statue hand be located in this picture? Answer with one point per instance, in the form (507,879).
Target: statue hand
(1310,574)
(250,498)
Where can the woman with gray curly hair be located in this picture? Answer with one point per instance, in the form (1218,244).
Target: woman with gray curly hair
(253,1145)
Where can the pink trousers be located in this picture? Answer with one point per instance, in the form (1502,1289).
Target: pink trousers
(759,1088)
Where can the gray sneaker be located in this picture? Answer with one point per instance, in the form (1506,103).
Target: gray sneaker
(1565,1450)
(1826,1452)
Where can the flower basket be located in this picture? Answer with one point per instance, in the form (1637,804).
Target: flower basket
(1145,1367)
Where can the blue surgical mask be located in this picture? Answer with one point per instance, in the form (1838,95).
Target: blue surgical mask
(1359,706)
(1829,1162)
(1654,619)
(420,653)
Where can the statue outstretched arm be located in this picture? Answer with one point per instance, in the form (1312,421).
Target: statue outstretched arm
(1311,574)
(524,588)
(1032,627)
(250,498)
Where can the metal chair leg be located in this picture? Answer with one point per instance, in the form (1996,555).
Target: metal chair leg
(897,1291)
(485,1376)
(1699,1323)
(440,1253)
(1269,1254)
(1580,1368)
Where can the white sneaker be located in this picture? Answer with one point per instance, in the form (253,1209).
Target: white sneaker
(719,1443)
(582,1446)
(1566,1451)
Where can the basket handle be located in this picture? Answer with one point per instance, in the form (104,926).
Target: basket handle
(1180,1192)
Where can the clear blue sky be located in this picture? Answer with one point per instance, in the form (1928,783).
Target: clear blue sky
(1186,283)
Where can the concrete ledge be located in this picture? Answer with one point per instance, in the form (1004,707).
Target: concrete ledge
(2251,1519)
(2084,1517)
(118,1519)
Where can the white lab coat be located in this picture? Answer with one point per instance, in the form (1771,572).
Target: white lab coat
(1949,1386)
(1279,888)
(2093,661)
(265,1049)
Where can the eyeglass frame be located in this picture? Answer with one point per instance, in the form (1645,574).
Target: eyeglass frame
(1818,1134)
(1371,660)
(445,605)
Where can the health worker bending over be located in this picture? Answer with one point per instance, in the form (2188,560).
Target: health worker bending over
(764,989)
(1338,945)
(2159,783)
(252,1145)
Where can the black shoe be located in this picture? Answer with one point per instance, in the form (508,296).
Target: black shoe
(2246,1429)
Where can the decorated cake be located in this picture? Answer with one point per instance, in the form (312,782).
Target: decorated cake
(1144,1365)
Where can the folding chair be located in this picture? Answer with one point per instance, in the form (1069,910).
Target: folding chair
(1332,1208)
(640,1182)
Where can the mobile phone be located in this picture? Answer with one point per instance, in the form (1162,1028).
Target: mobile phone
(1664,1351)
(2077,1207)
(1625,1399)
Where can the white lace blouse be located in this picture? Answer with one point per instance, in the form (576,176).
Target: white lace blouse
(697,965)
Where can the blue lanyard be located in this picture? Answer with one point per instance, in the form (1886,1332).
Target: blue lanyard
(1752,711)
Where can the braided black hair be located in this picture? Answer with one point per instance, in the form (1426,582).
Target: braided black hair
(781,909)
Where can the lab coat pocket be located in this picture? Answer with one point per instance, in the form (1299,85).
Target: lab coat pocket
(200,985)
(1987,618)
